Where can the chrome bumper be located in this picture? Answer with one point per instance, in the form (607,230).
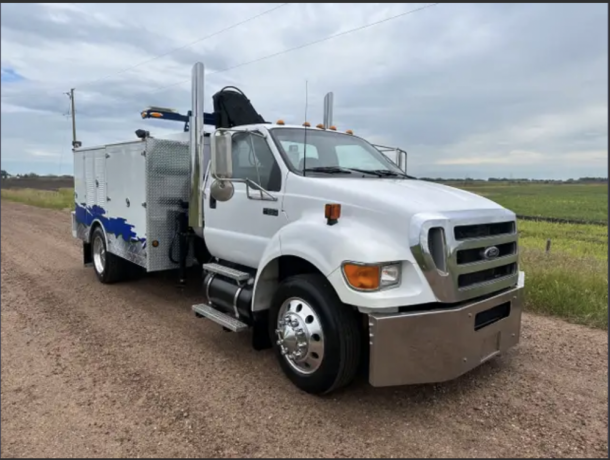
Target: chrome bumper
(440,345)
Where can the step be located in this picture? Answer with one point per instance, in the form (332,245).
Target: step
(232,273)
(219,317)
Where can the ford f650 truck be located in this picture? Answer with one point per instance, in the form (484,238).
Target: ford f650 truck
(311,239)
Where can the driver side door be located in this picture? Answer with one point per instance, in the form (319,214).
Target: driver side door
(239,230)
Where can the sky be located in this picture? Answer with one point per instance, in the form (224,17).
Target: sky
(468,90)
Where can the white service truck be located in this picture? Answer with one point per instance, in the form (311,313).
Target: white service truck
(310,238)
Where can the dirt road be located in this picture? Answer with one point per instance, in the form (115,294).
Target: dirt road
(127,370)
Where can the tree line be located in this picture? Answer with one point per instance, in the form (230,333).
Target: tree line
(6,175)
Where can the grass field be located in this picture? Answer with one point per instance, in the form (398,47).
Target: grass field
(59,199)
(571,281)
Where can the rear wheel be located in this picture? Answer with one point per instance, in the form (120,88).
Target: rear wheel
(317,338)
(108,267)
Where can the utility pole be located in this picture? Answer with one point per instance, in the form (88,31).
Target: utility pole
(75,143)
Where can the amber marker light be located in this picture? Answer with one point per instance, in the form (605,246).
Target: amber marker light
(332,212)
(362,277)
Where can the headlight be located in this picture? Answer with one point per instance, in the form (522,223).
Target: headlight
(372,277)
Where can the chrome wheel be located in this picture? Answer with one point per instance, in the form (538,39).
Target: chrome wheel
(300,336)
(99,254)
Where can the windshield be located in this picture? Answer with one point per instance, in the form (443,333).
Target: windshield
(328,149)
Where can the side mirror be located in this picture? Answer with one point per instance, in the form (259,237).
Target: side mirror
(222,157)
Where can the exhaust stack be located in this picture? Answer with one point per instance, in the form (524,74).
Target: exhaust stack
(196,148)
(328,110)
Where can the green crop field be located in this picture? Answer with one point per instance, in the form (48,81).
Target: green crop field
(570,281)
(585,202)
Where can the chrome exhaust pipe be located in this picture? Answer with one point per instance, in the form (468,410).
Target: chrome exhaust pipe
(196,148)
(328,110)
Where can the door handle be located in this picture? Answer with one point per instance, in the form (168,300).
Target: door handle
(271,212)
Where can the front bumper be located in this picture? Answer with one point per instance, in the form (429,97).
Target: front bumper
(440,345)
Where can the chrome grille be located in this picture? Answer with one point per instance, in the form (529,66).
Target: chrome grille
(479,257)
(465,232)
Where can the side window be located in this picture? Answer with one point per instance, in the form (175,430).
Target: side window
(253,157)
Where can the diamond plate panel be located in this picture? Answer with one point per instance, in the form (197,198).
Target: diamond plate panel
(133,251)
(82,232)
(167,182)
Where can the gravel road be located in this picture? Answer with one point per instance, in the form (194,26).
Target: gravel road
(127,370)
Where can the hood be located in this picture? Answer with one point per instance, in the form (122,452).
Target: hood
(412,195)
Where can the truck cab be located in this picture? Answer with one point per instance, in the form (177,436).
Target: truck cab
(322,247)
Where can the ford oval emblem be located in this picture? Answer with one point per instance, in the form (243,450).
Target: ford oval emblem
(491,253)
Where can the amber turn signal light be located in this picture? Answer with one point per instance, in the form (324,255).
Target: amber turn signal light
(362,277)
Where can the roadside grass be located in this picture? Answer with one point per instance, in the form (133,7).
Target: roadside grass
(60,199)
(570,282)
(572,288)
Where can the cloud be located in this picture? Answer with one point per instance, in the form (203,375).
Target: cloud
(466,89)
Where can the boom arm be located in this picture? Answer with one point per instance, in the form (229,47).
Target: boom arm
(231,108)
(172,115)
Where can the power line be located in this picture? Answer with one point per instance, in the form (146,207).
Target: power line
(315,42)
(199,40)
(189,44)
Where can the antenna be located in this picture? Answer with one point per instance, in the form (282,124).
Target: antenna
(305,136)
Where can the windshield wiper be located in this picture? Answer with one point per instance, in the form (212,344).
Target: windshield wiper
(329,170)
(382,172)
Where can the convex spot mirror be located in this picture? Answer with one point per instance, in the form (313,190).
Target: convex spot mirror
(222,190)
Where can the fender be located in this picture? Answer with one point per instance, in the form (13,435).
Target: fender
(90,230)
(326,248)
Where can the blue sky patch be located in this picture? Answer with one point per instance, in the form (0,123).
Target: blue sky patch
(10,76)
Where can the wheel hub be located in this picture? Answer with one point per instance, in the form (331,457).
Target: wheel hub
(293,341)
(299,336)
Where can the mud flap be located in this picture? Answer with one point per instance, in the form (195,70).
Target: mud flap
(87,256)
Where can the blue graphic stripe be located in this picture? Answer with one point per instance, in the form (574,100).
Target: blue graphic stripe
(113,225)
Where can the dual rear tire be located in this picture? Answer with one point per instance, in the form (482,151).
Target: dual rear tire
(108,267)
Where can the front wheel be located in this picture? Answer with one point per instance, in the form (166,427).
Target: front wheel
(317,338)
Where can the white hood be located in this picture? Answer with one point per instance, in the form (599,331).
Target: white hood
(412,195)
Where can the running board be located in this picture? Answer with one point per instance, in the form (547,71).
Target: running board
(218,269)
(219,317)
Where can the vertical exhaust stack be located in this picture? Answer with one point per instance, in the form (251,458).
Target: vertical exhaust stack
(196,148)
(328,110)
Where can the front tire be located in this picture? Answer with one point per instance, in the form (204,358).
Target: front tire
(108,267)
(316,338)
